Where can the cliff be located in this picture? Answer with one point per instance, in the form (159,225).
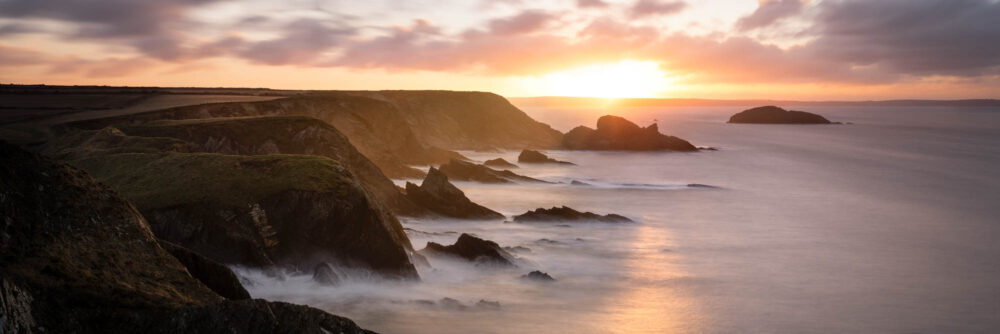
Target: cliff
(80,258)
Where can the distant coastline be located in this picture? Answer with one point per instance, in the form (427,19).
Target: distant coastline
(555,101)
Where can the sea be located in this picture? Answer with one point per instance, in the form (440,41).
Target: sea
(888,224)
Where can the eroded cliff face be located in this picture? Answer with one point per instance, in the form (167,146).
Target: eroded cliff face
(79,258)
(260,210)
(394,129)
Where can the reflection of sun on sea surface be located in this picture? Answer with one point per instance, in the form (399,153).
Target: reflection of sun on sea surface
(653,302)
(627,78)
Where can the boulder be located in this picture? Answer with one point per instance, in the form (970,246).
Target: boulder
(466,171)
(535,157)
(438,195)
(538,276)
(499,162)
(565,214)
(615,133)
(79,258)
(214,275)
(474,249)
(776,115)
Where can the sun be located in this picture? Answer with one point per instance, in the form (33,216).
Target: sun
(627,78)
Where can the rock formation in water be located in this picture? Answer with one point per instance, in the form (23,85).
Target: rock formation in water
(473,249)
(776,115)
(500,163)
(538,276)
(535,157)
(619,134)
(325,274)
(466,171)
(564,214)
(79,258)
(442,197)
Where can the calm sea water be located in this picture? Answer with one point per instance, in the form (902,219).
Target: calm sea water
(888,225)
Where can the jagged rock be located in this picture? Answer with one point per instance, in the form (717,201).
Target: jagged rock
(452,304)
(579,183)
(474,249)
(260,210)
(619,134)
(81,259)
(776,115)
(325,274)
(437,194)
(561,214)
(466,171)
(214,275)
(500,163)
(488,304)
(535,157)
(538,276)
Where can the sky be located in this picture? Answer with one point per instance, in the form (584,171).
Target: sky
(722,49)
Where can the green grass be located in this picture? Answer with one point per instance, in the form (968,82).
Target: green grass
(167,179)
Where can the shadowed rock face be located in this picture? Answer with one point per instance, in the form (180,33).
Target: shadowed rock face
(535,157)
(563,214)
(500,163)
(776,115)
(467,171)
(619,134)
(214,275)
(474,249)
(79,258)
(259,210)
(440,196)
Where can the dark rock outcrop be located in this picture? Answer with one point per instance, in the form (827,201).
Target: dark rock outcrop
(538,276)
(214,275)
(278,135)
(563,214)
(79,258)
(776,115)
(535,157)
(442,197)
(499,162)
(619,134)
(259,210)
(474,249)
(467,171)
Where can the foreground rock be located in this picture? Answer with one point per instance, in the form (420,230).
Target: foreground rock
(474,249)
(467,171)
(442,197)
(564,214)
(535,157)
(259,210)
(538,276)
(500,163)
(776,115)
(81,259)
(214,275)
(619,134)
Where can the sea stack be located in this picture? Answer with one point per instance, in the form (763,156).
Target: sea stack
(776,115)
(437,194)
(615,133)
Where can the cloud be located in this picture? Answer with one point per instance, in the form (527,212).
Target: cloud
(14,56)
(591,4)
(525,22)
(768,13)
(645,8)
(303,43)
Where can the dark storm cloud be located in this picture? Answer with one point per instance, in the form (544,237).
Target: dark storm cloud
(770,12)
(915,37)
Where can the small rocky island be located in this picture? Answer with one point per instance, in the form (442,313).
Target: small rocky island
(535,157)
(564,214)
(468,247)
(615,133)
(776,115)
(441,197)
